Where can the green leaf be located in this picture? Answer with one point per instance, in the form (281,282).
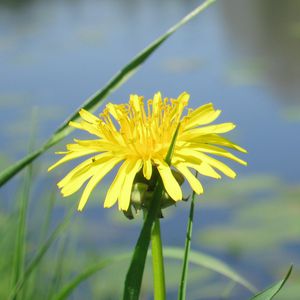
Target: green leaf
(39,255)
(97,98)
(269,293)
(210,263)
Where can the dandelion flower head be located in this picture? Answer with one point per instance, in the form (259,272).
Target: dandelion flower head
(136,137)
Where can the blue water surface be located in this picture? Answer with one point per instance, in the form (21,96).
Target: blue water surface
(244,56)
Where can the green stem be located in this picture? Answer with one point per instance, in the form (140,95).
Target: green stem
(183,281)
(158,263)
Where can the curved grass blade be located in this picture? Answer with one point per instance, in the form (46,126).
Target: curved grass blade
(97,98)
(70,287)
(197,258)
(210,263)
(187,248)
(40,254)
(135,272)
(271,292)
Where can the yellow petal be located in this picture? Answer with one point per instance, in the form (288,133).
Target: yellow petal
(192,180)
(124,197)
(171,185)
(198,157)
(76,183)
(134,99)
(204,119)
(73,181)
(147,169)
(201,110)
(156,103)
(218,165)
(116,186)
(183,98)
(219,140)
(204,169)
(105,168)
(183,101)
(203,115)
(82,167)
(87,116)
(99,144)
(219,151)
(112,110)
(91,128)
(218,128)
(71,155)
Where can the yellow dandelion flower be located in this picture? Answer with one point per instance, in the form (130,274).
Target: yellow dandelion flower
(138,138)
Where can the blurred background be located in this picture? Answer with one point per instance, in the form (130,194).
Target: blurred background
(242,55)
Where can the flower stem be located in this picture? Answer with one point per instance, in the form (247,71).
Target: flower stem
(185,265)
(158,263)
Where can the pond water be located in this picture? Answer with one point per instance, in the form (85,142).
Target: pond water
(244,56)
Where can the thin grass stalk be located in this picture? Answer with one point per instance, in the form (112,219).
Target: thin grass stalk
(210,263)
(158,263)
(20,246)
(48,217)
(187,248)
(58,270)
(66,291)
(33,281)
(40,254)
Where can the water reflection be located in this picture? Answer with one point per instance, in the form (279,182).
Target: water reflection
(267,32)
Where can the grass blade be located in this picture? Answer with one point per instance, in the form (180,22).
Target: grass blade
(19,251)
(197,258)
(96,99)
(58,270)
(40,254)
(20,246)
(210,263)
(33,281)
(47,219)
(65,292)
(269,293)
(187,248)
